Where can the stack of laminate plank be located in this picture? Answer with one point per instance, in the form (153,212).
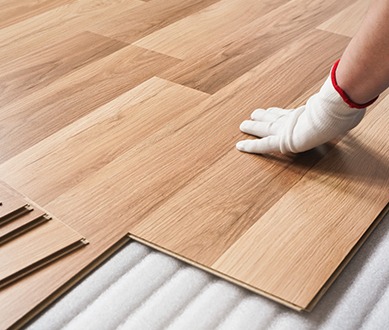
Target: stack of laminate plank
(29,237)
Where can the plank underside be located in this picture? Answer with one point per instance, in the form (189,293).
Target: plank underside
(121,118)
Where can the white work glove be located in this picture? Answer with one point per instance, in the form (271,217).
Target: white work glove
(324,117)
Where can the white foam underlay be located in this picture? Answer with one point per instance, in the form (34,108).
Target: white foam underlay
(139,288)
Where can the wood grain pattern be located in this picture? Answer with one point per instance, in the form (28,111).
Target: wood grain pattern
(354,175)
(218,63)
(33,249)
(107,133)
(12,12)
(347,22)
(190,35)
(114,138)
(64,22)
(75,95)
(27,74)
(132,24)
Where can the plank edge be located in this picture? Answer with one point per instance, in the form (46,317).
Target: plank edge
(67,286)
(347,259)
(217,273)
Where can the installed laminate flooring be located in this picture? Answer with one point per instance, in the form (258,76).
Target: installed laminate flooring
(121,117)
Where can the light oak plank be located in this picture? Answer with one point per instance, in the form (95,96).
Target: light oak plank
(106,133)
(218,63)
(135,23)
(352,181)
(14,11)
(60,23)
(27,74)
(186,37)
(28,252)
(38,115)
(347,22)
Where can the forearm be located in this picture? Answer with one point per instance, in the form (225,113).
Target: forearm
(363,72)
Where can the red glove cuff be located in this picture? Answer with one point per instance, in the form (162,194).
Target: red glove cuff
(343,94)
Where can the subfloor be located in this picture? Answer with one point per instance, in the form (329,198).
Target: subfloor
(121,117)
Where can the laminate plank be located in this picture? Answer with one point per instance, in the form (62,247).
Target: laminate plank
(35,248)
(30,119)
(135,23)
(63,22)
(190,35)
(347,22)
(106,133)
(352,181)
(218,63)
(21,224)
(27,74)
(14,11)
(10,202)
(141,179)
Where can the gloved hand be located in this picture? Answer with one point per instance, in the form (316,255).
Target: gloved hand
(325,116)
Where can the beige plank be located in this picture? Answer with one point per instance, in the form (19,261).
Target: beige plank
(111,130)
(38,115)
(218,63)
(135,23)
(27,74)
(35,248)
(190,35)
(352,182)
(347,22)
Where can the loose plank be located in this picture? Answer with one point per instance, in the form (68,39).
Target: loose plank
(21,224)
(35,248)
(352,181)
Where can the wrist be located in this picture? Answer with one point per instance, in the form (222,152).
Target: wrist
(345,95)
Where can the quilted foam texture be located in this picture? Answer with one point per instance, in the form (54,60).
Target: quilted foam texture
(139,288)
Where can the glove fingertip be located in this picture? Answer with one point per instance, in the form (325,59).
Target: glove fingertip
(241,145)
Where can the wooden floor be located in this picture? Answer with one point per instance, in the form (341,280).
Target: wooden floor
(121,117)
